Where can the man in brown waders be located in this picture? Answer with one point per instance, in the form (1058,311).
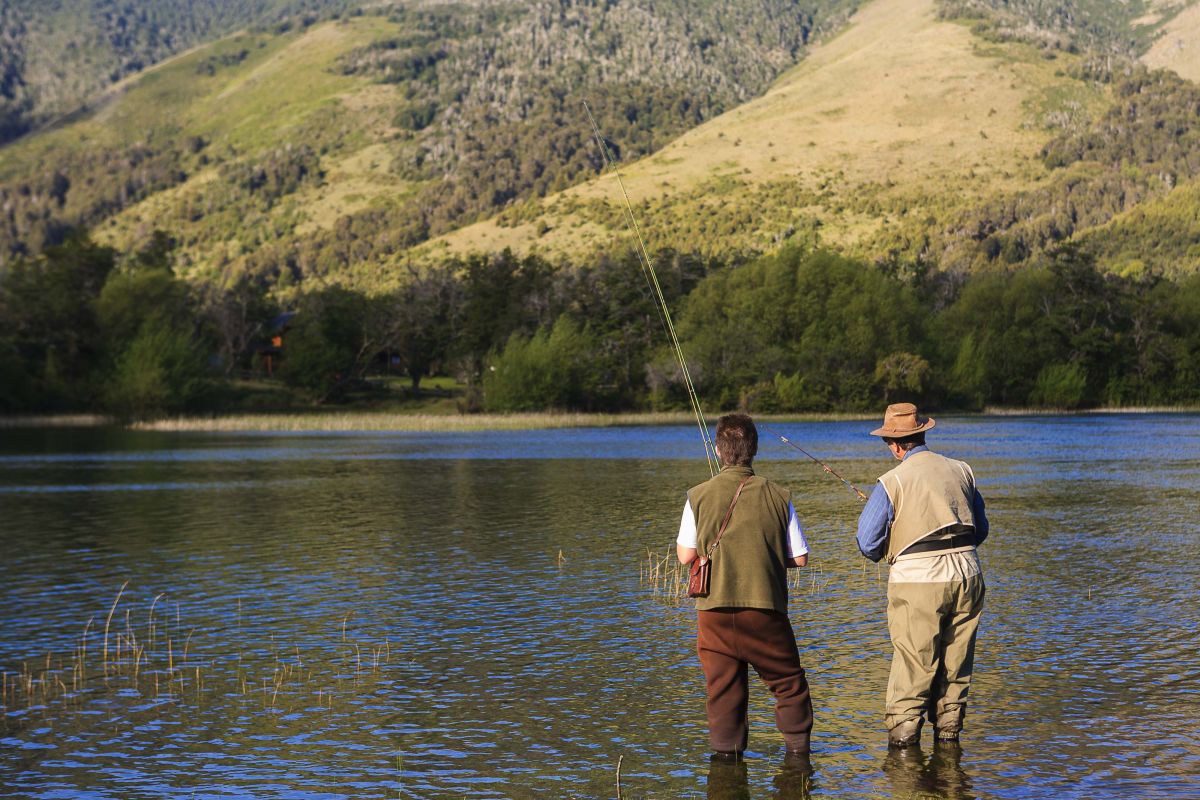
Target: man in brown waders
(927,518)
(743,620)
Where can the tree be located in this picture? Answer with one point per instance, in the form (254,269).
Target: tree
(799,312)
(334,336)
(501,295)
(551,370)
(902,375)
(1060,386)
(996,337)
(49,324)
(161,371)
(156,350)
(422,321)
(237,314)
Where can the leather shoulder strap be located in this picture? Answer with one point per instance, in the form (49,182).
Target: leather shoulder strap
(728,514)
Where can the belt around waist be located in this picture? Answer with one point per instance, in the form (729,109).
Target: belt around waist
(935,545)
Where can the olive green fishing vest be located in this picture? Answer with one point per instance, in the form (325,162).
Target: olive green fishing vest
(749,566)
(929,493)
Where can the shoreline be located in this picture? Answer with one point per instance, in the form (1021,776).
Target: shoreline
(350,421)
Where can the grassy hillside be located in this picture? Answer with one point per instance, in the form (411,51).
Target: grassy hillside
(1177,46)
(950,133)
(57,56)
(345,143)
(912,138)
(900,116)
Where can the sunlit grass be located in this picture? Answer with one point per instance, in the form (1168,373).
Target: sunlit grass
(376,421)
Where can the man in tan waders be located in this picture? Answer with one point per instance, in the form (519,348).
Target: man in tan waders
(927,518)
(743,620)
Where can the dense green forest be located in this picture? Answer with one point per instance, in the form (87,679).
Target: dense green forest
(1101,28)
(85,328)
(1141,148)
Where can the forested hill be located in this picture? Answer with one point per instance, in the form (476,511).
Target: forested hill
(396,123)
(947,135)
(324,140)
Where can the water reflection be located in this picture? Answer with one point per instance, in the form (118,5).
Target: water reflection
(913,774)
(792,780)
(728,780)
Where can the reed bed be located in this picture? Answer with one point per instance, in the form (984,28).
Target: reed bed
(437,423)
(1001,411)
(664,576)
(158,659)
(54,421)
(667,579)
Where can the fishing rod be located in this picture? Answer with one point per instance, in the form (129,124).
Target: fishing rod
(854,489)
(647,265)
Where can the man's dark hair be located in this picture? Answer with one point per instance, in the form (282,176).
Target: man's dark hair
(908,442)
(738,439)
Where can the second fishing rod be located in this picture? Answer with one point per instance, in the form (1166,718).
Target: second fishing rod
(648,271)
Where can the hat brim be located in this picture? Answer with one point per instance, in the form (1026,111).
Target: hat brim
(892,433)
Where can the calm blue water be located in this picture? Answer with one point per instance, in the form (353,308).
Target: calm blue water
(450,615)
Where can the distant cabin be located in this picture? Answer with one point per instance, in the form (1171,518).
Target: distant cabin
(270,349)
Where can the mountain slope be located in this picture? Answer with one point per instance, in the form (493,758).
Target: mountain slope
(901,114)
(910,139)
(1178,45)
(58,54)
(336,150)
(342,142)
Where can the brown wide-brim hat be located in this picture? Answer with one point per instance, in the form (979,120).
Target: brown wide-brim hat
(900,420)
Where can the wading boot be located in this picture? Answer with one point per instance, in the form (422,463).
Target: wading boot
(797,743)
(726,756)
(948,734)
(906,734)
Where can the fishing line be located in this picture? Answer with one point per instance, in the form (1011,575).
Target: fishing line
(647,265)
(854,489)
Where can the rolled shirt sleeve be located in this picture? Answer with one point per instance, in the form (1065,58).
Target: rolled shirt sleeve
(981,520)
(687,528)
(797,545)
(874,523)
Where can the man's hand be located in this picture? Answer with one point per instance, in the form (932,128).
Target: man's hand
(686,554)
(799,561)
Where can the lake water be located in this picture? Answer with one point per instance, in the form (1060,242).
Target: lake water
(463,615)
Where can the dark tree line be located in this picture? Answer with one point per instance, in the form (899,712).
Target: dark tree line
(85,328)
(804,330)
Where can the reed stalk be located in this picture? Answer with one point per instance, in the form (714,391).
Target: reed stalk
(83,642)
(108,621)
(150,622)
